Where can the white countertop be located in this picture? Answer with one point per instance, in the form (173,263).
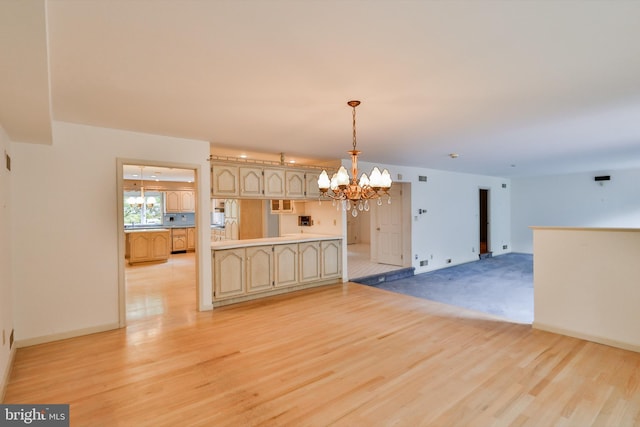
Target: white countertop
(288,238)
(146,230)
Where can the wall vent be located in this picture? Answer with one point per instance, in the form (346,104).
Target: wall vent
(504,185)
(422,178)
(424,262)
(504,246)
(603,178)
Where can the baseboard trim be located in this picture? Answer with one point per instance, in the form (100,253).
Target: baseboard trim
(64,335)
(7,374)
(587,337)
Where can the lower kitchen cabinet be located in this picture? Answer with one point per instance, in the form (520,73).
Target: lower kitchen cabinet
(286,264)
(250,272)
(259,268)
(148,245)
(331,256)
(179,240)
(309,257)
(228,273)
(191,239)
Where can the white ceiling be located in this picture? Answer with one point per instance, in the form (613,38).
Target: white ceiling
(514,87)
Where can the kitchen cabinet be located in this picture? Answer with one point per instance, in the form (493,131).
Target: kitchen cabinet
(294,184)
(224,181)
(331,259)
(309,258)
(285,264)
(148,245)
(312,191)
(179,201)
(250,269)
(179,240)
(281,206)
(250,181)
(228,273)
(274,183)
(191,239)
(259,268)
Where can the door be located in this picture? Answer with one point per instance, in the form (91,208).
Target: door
(388,228)
(484,220)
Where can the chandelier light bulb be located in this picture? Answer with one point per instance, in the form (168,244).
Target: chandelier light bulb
(364,180)
(323,181)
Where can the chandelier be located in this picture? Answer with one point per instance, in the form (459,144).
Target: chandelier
(352,192)
(141,200)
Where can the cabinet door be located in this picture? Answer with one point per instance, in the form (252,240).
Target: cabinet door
(286,264)
(259,268)
(172,201)
(294,184)
(311,185)
(139,248)
(224,181)
(187,201)
(191,239)
(331,256)
(179,243)
(228,273)
(274,182)
(309,257)
(160,245)
(250,182)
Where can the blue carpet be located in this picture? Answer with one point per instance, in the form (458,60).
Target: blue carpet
(501,286)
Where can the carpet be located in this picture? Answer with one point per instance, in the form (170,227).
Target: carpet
(501,286)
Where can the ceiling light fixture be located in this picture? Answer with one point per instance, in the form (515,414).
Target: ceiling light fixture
(351,191)
(141,200)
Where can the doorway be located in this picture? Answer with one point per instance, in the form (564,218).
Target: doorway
(159,199)
(483,221)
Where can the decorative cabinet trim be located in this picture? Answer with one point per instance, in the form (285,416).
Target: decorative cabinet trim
(261,182)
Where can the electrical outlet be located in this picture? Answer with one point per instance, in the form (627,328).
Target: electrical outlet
(504,246)
(448,260)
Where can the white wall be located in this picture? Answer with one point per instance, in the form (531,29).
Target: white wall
(586,284)
(573,200)
(6,299)
(450,227)
(64,212)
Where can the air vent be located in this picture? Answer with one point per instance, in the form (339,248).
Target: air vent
(504,185)
(424,262)
(602,178)
(422,178)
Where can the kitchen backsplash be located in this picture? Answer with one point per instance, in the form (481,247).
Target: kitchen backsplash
(179,219)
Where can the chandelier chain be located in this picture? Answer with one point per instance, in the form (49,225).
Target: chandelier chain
(354,126)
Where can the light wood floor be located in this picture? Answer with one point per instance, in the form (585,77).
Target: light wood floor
(344,355)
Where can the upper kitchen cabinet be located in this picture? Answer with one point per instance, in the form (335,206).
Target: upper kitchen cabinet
(250,181)
(179,201)
(311,184)
(224,181)
(254,181)
(295,184)
(274,183)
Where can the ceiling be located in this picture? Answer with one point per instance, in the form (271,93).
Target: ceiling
(515,88)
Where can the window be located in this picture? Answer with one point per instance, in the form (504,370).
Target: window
(143,214)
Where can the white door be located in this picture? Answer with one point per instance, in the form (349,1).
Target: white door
(389,228)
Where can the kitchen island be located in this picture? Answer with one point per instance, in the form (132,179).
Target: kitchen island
(147,245)
(248,269)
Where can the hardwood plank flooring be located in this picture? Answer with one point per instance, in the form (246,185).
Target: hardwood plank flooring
(340,355)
